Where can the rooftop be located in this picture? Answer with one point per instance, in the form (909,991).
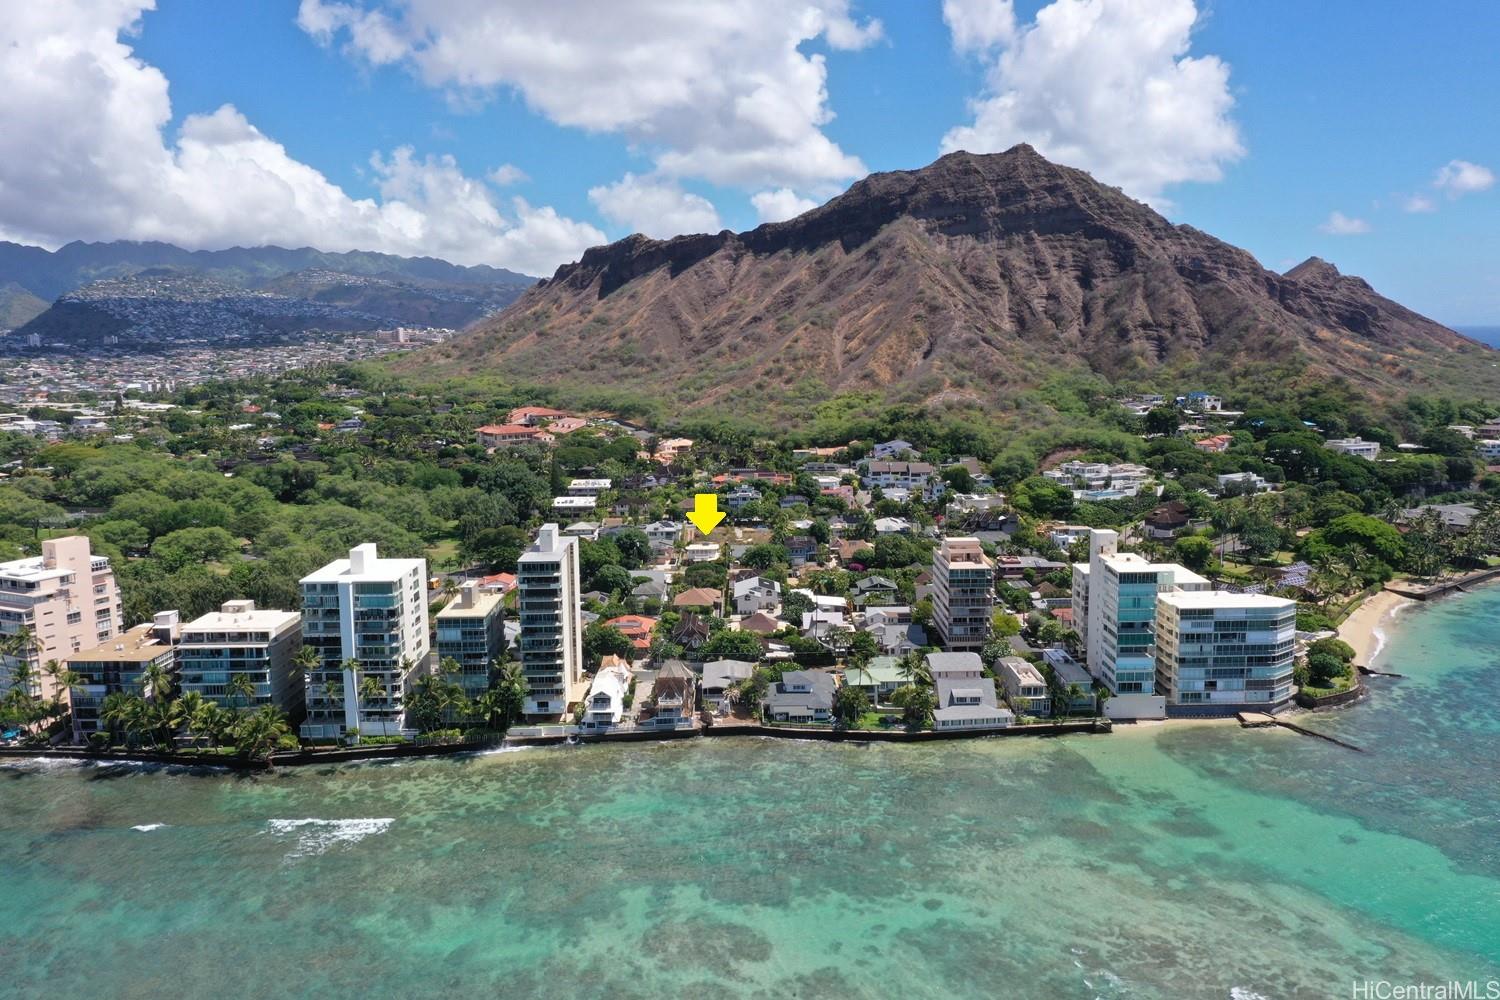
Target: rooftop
(1221,599)
(139,645)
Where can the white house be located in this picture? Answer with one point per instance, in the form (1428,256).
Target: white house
(892,449)
(1358,447)
(965,697)
(605,704)
(755,593)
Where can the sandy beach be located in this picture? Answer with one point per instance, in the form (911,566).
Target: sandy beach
(1363,629)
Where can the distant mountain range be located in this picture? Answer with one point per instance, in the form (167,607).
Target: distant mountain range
(962,281)
(154,294)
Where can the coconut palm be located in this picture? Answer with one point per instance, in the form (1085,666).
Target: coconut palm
(156,682)
(258,734)
(191,706)
(306,660)
(333,692)
(163,717)
(242,689)
(63,680)
(125,713)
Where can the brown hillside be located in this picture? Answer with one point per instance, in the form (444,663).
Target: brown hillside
(971,276)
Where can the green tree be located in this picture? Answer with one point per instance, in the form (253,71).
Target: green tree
(1194,551)
(601,640)
(731,644)
(917,705)
(849,705)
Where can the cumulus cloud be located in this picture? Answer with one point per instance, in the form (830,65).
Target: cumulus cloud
(1106,85)
(1460,177)
(1419,203)
(1339,224)
(507,174)
(655,207)
(718,90)
(84,154)
(978,25)
(780,205)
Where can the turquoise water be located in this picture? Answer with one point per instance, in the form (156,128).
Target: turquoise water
(1176,861)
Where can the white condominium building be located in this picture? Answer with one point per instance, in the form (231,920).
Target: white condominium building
(551,624)
(241,639)
(1114,611)
(374,611)
(65,599)
(963,594)
(1225,651)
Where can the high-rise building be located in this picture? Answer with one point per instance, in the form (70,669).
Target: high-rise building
(1114,611)
(963,594)
(118,665)
(65,599)
(243,639)
(551,630)
(471,630)
(374,611)
(1218,652)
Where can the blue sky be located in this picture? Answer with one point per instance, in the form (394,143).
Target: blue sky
(1253,121)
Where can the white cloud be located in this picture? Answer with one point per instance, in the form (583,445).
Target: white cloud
(507,174)
(712,89)
(84,155)
(1460,177)
(655,206)
(978,25)
(1339,224)
(780,205)
(1106,85)
(1419,203)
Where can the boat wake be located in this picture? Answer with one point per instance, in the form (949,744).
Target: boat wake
(317,836)
(148,827)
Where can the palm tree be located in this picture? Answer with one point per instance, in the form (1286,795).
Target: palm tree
(371,689)
(163,717)
(63,679)
(242,689)
(1074,693)
(258,733)
(156,682)
(352,668)
(116,712)
(307,660)
(191,706)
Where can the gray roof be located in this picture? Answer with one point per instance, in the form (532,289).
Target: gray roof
(941,662)
(722,673)
(821,695)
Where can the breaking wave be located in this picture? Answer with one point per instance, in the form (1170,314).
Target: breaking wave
(316,836)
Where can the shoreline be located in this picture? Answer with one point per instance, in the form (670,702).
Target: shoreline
(1363,629)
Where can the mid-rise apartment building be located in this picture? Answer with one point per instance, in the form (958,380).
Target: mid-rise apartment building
(551,624)
(471,631)
(119,665)
(372,610)
(963,594)
(1114,611)
(1217,651)
(241,639)
(65,599)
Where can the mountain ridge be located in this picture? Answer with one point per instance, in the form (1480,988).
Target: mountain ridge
(148,295)
(977,273)
(51,273)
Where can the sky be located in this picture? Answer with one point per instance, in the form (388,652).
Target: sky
(518,133)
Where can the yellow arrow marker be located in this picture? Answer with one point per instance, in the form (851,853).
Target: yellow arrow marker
(705,514)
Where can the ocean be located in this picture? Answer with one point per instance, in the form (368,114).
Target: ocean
(1164,861)
(1484,334)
